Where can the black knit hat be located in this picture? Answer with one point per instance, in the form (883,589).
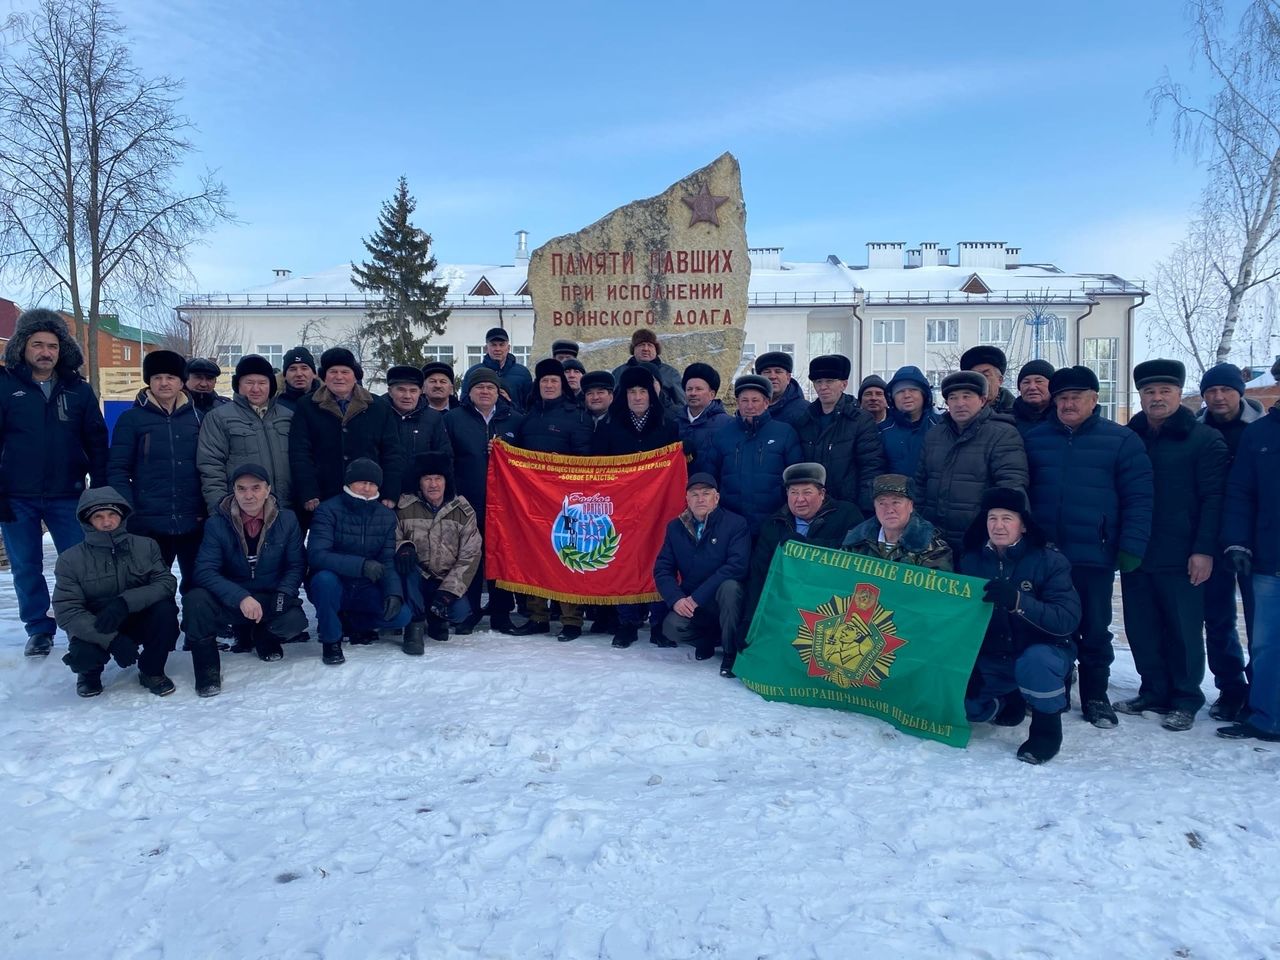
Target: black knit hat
(404,374)
(1222,375)
(753,381)
(204,367)
(573,363)
(340,357)
(164,361)
(254,365)
(775,358)
(1072,378)
(483,375)
(255,470)
(1160,371)
(362,469)
(964,380)
(298,355)
(814,473)
(598,380)
(872,380)
(984,353)
(1036,368)
(564,346)
(432,464)
(701,371)
(436,366)
(830,366)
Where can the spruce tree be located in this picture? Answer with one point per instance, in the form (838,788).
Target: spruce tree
(408,306)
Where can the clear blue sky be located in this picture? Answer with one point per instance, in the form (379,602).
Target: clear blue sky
(853,122)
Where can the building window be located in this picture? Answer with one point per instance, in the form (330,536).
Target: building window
(522,354)
(934,376)
(942,331)
(890,331)
(228,354)
(788,348)
(824,343)
(1100,355)
(438,354)
(128,352)
(273,353)
(995,330)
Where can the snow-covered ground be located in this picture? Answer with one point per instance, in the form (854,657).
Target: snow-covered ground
(506,797)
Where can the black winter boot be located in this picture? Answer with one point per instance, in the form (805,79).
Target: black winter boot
(331,653)
(413,638)
(1045,740)
(625,635)
(160,685)
(1013,710)
(437,628)
(89,684)
(206,663)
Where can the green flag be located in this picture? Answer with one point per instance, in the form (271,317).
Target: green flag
(836,629)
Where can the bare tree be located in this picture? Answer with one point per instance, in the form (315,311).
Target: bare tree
(89,153)
(195,333)
(1237,131)
(1189,299)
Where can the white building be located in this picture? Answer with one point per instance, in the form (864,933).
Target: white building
(919,306)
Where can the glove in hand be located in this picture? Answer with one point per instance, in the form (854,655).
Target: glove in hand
(440,604)
(391,608)
(1000,592)
(1240,561)
(124,650)
(407,560)
(372,570)
(111,616)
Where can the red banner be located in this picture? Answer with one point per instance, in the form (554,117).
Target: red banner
(580,529)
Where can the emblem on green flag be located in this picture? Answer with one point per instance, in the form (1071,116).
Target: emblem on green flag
(837,629)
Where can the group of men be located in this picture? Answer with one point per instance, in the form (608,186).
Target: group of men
(376,506)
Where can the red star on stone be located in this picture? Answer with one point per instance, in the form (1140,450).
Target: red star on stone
(704,206)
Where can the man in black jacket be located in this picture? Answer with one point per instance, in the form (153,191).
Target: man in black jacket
(438,388)
(787,403)
(1034,404)
(840,436)
(153,463)
(300,378)
(472,427)
(202,382)
(421,428)
(991,363)
(51,435)
(335,426)
(1164,597)
(250,567)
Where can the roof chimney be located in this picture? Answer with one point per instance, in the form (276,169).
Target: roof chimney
(886,256)
(1011,256)
(929,254)
(282,273)
(522,245)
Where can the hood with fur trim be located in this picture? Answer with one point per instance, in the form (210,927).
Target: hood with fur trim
(40,320)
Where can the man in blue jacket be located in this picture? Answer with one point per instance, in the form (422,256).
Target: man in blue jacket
(249,568)
(351,555)
(699,572)
(1251,533)
(703,413)
(1091,492)
(514,379)
(51,435)
(786,402)
(911,417)
(748,454)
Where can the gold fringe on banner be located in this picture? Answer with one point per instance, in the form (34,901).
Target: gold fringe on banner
(575,462)
(576,597)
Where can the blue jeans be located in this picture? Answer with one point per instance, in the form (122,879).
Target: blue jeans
(358,599)
(1040,672)
(24,544)
(418,593)
(1264,691)
(1221,635)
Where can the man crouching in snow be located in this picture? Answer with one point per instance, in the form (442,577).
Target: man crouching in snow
(249,567)
(438,550)
(351,552)
(1028,645)
(112,594)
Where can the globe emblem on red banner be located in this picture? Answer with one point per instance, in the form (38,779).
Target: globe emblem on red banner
(583,535)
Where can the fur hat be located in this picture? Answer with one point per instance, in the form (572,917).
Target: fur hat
(830,366)
(1222,375)
(637,376)
(701,371)
(255,470)
(428,464)
(564,346)
(404,374)
(1160,371)
(984,353)
(1036,368)
(1002,498)
(340,357)
(298,355)
(645,335)
(164,361)
(1072,378)
(753,381)
(40,320)
(550,367)
(251,365)
(204,367)
(775,358)
(893,484)
(436,366)
(814,473)
(873,380)
(964,380)
(362,469)
(598,380)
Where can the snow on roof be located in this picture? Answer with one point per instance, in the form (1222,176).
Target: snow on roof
(1261,381)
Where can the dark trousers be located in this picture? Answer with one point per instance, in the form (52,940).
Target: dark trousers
(203,615)
(1096,586)
(154,629)
(350,603)
(1221,635)
(1163,617)
(1038,673)
(182,547)
(712,623)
